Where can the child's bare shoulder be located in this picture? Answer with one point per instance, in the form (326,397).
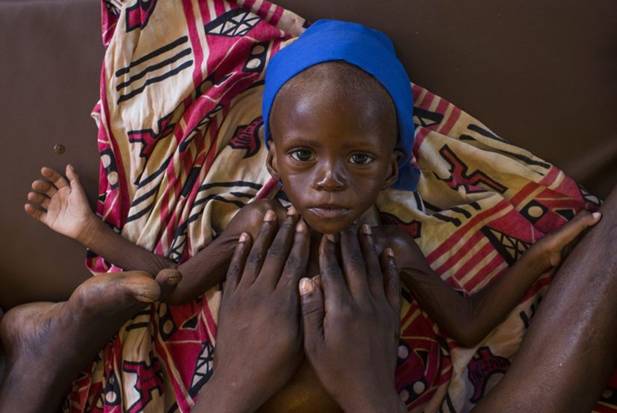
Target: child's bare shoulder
(250,217)
(406,251)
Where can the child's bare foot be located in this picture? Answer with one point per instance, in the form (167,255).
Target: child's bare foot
(61,204)
(554,247)
(48,344)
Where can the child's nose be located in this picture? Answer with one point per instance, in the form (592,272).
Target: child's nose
(330,180)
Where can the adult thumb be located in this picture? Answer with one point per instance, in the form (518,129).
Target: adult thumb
(311,299)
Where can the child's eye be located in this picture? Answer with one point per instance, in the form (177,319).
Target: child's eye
(302,155)
(361,158)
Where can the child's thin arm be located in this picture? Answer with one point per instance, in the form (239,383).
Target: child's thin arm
(199,273)
(62,205)
(469,319)
(116,249)
(209,266)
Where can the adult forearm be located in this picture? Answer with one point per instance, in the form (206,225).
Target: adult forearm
(224,394)
(218,397)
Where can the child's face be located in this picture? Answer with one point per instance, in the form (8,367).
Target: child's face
(333,152)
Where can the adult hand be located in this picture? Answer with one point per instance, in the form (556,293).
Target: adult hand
(259,341)
(351,322)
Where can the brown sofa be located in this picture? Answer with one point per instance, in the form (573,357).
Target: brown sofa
(541,74)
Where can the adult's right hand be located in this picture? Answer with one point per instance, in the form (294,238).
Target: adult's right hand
(351,323)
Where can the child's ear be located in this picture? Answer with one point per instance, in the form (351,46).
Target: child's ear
(392,176)
(271,162)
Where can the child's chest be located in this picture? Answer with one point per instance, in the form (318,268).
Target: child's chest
(303,393)
(380,241)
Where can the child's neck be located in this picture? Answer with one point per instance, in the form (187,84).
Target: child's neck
(370,217)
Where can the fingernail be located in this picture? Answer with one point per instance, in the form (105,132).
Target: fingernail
(291,211)
(366,229)
(596,215)
(306,286)
(331,238)
(270,216)
(243,237)
(389,252)
(301,226)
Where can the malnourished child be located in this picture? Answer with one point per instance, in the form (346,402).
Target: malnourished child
(337,117)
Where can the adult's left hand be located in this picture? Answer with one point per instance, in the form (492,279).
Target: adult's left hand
(259,341)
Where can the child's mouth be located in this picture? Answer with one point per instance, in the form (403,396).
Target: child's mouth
(329,211)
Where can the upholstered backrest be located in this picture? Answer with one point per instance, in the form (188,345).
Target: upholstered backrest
(49,74)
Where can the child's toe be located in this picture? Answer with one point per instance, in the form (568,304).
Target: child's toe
(168,279)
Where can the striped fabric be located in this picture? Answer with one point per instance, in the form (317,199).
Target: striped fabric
(181,151)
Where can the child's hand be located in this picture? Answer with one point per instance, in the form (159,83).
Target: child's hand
(554,247)
(61,205)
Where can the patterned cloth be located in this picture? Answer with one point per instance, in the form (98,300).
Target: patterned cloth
(179,138)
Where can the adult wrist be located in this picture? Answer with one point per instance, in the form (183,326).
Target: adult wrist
(220,395)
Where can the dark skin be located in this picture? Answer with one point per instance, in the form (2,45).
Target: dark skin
(359,303)
(260,295)
(333,153)
(259,310)
(50,343)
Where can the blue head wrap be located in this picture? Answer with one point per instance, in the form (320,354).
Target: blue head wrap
(369,50)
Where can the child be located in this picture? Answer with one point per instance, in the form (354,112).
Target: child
(337,116)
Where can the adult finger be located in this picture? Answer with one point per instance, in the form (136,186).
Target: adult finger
(312,303)
(279,251)
(297,261)
(236,266)
(44,187)
(392,284)
(373,266)
(39,199)
(58,180)
(334,288)
(354,265)
(260,248)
